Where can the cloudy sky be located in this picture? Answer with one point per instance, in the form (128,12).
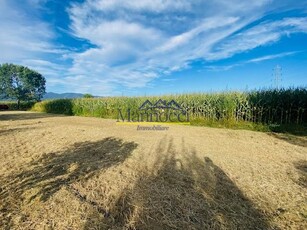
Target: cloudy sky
(144,47)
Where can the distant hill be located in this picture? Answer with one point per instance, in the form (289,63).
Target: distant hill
(51,95)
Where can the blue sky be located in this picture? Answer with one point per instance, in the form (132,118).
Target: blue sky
(152,47)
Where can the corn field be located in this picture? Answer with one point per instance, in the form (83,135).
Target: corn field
(283,106)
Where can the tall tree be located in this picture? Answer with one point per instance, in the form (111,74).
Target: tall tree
(4,81)
(21,83)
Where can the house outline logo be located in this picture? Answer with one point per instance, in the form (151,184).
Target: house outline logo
(161,104)
(161,111)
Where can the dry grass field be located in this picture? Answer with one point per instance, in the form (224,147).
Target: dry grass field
(60,172)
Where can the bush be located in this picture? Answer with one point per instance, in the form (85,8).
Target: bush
(59,106)
(23,105)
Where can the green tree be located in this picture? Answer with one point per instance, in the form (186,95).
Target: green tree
(87,95)
(21,83)
(4,81)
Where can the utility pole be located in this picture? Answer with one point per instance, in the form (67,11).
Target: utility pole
(277,73)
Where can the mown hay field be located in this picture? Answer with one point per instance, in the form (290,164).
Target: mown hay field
(68,172)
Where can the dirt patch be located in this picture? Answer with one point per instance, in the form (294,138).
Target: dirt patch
(62,172)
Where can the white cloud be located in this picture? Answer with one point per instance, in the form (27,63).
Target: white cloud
(137,41)
(269,57)
(52,71)
(26,40)
(216,68)
(21,35)
(260,35)
(144,5)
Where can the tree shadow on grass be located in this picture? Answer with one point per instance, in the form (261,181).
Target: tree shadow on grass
(292,139)
(301,166)
(15,130)
(292,129)
(18,116)
(49,173)
(185,192)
